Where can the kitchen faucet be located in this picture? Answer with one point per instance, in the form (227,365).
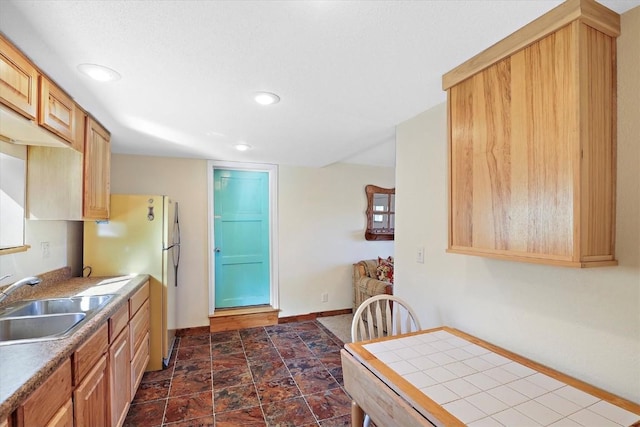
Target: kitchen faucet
(31,281)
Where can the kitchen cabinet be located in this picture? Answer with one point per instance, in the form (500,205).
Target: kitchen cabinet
(139,335)
(18,81)
(56,110)
(66,184)
(64,416)
(97,164)
(92,386)
(47,405)
(33,109)
(119,366)
(532,149)
(91,397)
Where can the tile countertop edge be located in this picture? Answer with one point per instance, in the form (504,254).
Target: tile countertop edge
(49,355)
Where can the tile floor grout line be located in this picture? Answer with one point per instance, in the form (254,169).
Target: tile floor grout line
(253,379)
(318,344)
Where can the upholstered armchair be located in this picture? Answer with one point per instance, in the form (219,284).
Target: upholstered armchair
(366,283)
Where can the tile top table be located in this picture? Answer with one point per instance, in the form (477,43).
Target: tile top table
(451,378)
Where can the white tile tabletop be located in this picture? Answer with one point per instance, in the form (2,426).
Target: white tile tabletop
(482,388)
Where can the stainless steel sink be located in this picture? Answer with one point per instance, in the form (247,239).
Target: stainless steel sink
(47,319)
(37,327)
(85,304)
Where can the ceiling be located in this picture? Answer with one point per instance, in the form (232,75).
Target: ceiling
(347,72)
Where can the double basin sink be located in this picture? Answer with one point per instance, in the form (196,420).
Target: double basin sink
(46,319)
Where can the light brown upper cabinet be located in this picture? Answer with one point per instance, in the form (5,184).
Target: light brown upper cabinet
(97,161)
(18,81)
(532,142)
(66,184)
(57,111)
(33,109)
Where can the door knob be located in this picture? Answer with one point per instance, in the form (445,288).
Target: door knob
(217,250)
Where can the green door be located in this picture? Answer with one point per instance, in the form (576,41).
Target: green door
(241,234)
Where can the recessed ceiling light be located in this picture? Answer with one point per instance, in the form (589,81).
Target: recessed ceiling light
(266,98)
(99,72)
(242,147)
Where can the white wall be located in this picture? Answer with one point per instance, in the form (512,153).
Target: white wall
(184,180)
(585,323)
(65,249)
(321,225)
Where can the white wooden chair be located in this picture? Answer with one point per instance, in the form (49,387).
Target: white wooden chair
(380,316)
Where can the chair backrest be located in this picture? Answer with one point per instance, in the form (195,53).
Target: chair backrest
(383,315)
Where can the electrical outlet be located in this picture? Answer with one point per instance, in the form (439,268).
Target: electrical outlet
(325,297)
(420,255)
(45,249)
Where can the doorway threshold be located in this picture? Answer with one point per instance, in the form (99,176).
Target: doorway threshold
(229,319)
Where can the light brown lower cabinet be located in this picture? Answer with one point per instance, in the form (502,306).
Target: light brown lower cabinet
(43,406)
(139,363)
(64,416)
(120,378)
(107,370)
(91,397)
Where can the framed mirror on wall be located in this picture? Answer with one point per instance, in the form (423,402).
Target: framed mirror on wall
(381,207)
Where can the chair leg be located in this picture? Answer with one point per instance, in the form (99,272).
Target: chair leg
(357,414)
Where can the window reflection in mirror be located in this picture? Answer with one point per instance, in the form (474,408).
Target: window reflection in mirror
(12,195)
(380,213)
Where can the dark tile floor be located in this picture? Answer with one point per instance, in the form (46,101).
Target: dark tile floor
(283,375)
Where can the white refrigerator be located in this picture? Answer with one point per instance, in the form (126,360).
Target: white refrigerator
(142,236)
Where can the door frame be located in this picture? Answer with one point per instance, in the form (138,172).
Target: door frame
(272,171)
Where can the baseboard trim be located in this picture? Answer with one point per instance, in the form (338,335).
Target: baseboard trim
(232,319)
(244,317)
(313,316)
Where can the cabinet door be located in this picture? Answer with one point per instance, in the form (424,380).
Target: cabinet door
(18,81)
(120,376)
(41,406)
(514,146)
(57,111)
(139,364)
(91,397)
(64,416)
(97,161)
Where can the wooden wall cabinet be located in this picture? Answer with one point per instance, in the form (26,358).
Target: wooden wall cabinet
(532,142)
(66,184)
(56,110)
(18,81)
(97,171)
(33,109)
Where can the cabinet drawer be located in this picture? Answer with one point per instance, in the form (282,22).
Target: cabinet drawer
(18,81)
(86,356)
(139,364)
(136,301)
(139,327)
(43,403)
(118,321)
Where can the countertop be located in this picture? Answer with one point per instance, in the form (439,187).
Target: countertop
(24,367)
